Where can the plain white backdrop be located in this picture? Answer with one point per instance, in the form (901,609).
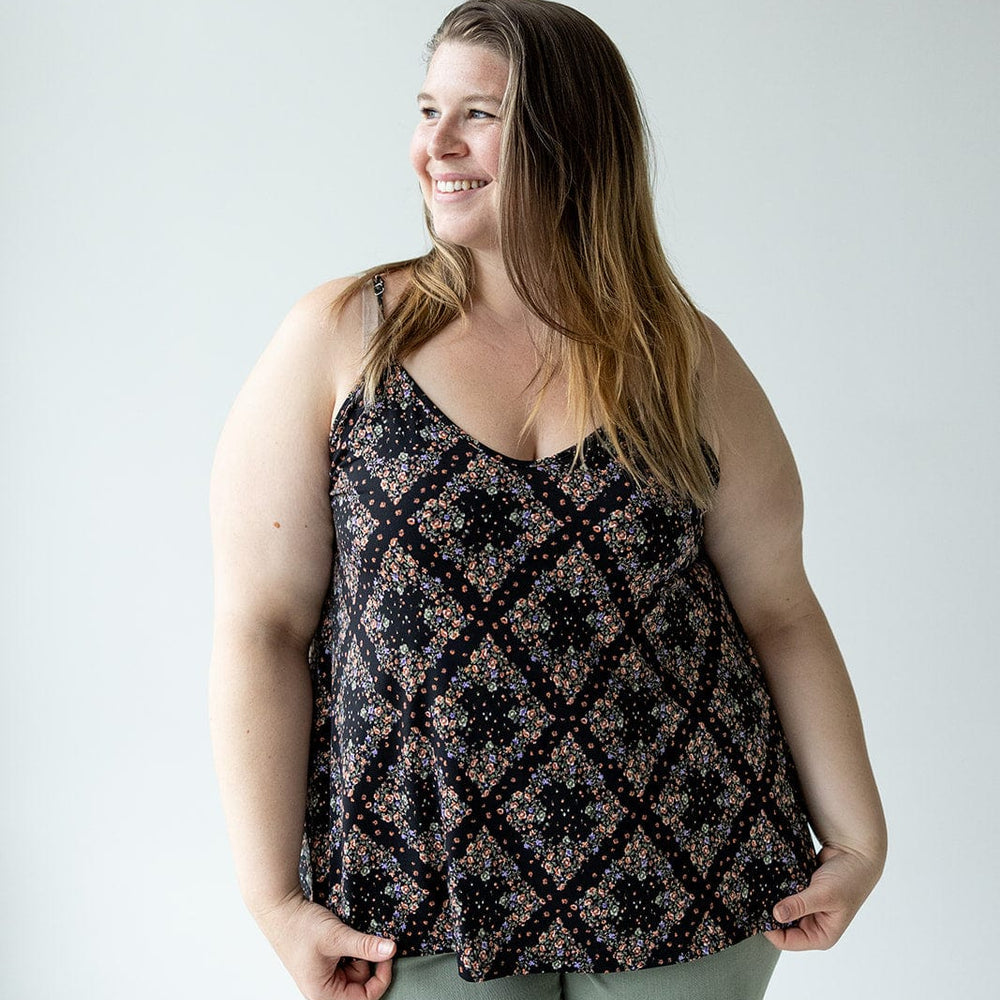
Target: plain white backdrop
(174,176)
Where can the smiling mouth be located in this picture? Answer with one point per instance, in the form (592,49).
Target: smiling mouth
(447,187)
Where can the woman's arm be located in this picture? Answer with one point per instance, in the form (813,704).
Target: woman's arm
(272,540)
(753,535)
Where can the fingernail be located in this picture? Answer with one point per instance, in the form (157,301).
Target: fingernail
(385,948)
(782,913)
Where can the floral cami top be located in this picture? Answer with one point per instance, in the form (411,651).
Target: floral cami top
(541,738)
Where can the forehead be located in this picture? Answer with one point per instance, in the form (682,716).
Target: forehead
(462,67)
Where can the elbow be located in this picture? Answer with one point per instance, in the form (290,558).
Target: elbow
(784,617)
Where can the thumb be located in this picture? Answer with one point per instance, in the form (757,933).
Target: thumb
(346,942)
(812,899)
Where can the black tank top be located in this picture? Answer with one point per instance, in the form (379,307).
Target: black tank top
(540,735)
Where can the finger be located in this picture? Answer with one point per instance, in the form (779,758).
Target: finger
(812,899)
(815,931)
(357,970)
(346,941)
(792,939)
(379,983)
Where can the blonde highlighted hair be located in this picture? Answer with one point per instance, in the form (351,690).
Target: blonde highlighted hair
(579,242)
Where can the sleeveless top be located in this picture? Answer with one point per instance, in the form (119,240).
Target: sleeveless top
(540,736)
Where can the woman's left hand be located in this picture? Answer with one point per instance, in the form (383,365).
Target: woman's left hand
(824,909)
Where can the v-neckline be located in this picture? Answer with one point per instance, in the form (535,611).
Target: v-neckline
(440,414)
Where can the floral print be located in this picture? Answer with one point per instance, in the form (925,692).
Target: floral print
(540,737)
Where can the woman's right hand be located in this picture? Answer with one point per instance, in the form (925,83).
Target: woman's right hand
(327,959)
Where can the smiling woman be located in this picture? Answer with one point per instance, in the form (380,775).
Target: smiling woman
(531,683)
(456,147)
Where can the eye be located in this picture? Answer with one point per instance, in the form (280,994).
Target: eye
(480,115)
(426,112)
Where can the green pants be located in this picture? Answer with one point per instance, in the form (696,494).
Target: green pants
(740,972)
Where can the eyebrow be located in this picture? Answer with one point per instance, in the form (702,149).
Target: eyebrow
(467,99)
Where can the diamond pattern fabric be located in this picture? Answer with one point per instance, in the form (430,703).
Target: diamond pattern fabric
(540,736)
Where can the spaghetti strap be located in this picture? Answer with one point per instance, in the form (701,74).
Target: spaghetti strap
(372,310)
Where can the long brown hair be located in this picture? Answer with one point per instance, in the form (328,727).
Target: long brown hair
(579,242)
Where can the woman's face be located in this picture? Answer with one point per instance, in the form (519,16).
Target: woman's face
(456,145)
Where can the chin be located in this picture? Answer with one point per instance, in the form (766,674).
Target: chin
(465,236)
(469,230)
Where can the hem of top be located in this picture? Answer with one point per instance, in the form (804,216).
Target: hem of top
(684,960)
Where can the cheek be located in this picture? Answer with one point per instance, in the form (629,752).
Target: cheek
(418,152)
(492,156)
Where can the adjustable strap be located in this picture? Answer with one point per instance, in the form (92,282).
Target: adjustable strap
(372,309)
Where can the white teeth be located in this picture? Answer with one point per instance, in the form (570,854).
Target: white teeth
(464,185)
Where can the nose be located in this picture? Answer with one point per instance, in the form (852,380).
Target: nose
(445,140)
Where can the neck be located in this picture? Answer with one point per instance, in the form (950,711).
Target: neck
(494,295)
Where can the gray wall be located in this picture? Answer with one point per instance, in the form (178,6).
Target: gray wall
(175,176)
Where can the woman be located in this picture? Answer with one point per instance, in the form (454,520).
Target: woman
(502,648)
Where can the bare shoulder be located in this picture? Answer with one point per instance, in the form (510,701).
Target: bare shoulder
(323,333)
(327,330)
(724,380)
(310,362)
(739,415)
